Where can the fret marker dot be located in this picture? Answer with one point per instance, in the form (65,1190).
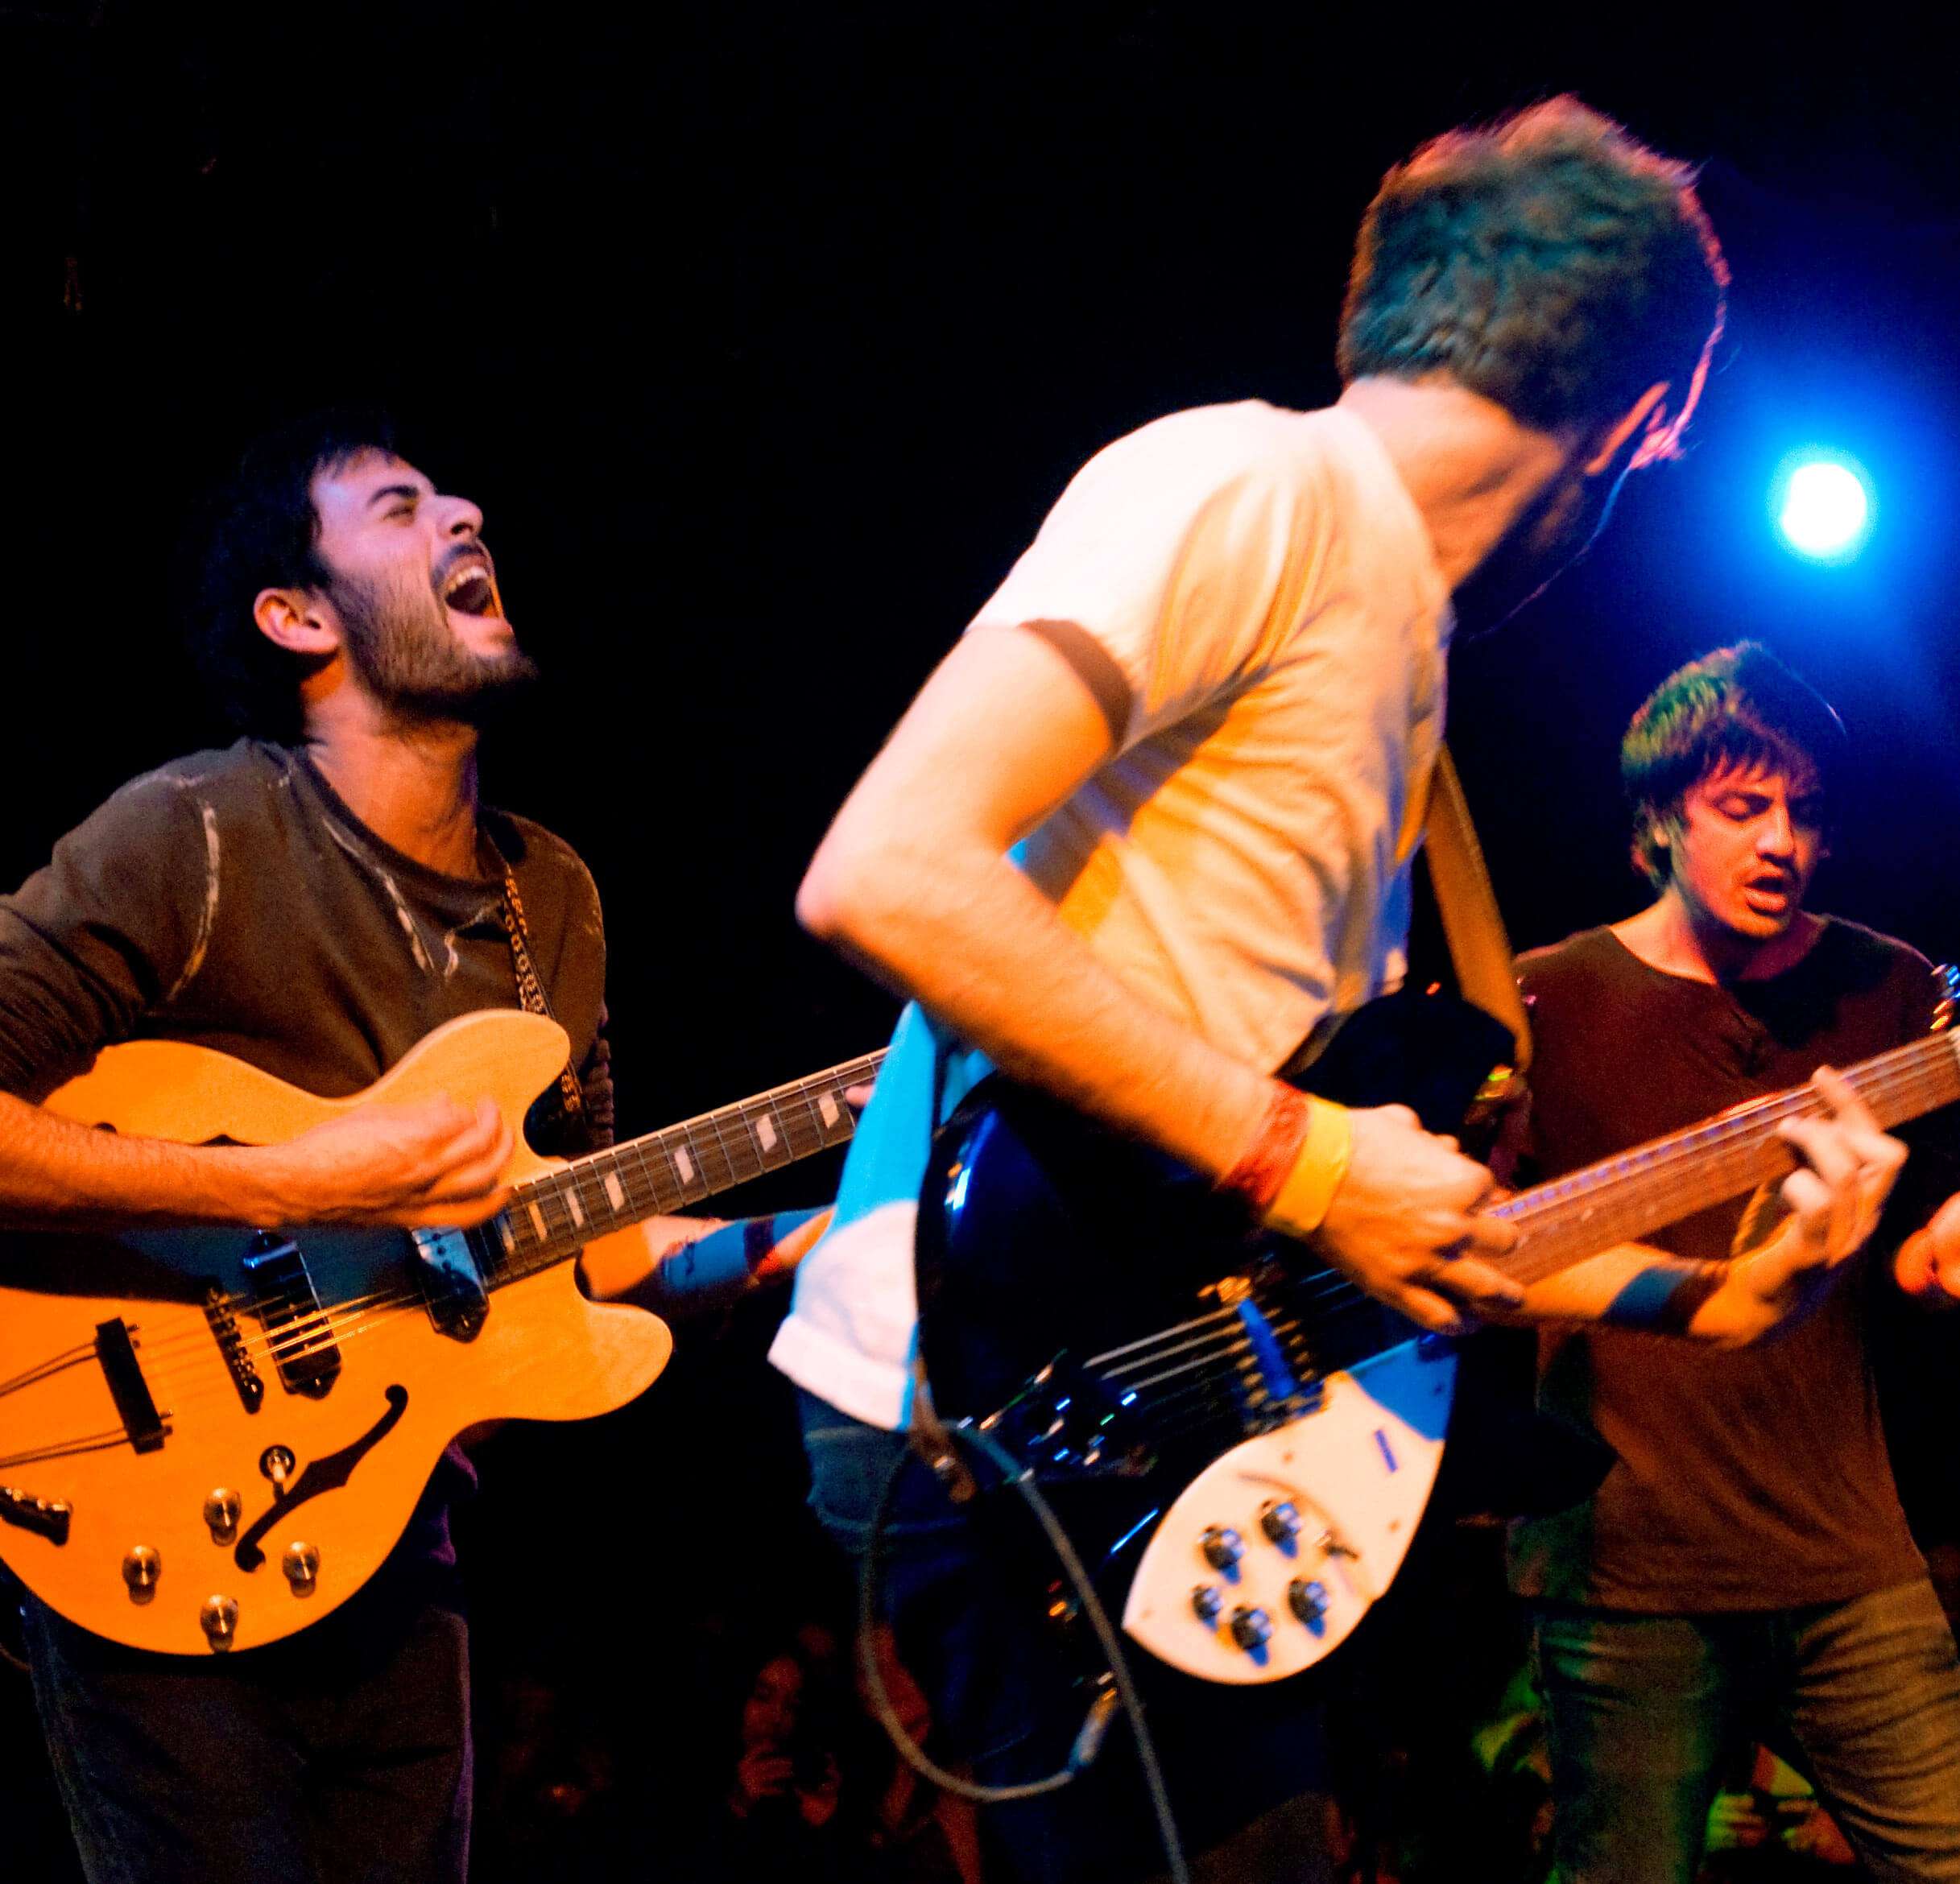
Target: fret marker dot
(537,1221)
(615,1191)
(578,1216)
(507,1235)
(685,1166)
(827,1108)
(766,1132)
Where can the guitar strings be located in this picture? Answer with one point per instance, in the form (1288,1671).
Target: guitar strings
(1617,1187)
(797,1105)
(1721,1145)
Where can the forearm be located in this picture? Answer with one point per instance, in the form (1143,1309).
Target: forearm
(1635,1286)
(953,925)
(57,1175)
(689,1265)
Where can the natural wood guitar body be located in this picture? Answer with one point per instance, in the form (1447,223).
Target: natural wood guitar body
(141,1561)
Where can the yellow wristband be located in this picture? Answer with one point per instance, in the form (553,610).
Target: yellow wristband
(1307,1189)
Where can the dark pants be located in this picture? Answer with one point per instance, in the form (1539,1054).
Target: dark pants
(341,1757)
(1646,1712)
(1246,1766)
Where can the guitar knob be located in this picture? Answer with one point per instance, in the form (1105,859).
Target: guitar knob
(1279,1519)
(1207,1604)
(301,1563)
(141,1567)
(1222,1545)
(1308,1599)
(221,1510)
(219,1619)
(1251,1628)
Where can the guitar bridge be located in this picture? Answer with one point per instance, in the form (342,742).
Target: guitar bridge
(47,1517)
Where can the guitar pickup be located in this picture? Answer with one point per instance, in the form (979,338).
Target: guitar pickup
(452,1284)
(298,1331)
(47,1517)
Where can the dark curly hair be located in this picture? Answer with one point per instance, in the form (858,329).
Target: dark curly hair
(1551,262)
(262,532)
(1739,706)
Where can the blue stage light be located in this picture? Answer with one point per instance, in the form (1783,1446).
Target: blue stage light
(1822,505)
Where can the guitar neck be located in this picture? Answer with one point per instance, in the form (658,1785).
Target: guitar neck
(552,1217)
(1621,1199)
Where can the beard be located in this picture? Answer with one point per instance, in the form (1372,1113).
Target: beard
(1545,540)
(400,644)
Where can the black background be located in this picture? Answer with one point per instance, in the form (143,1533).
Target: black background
(766,336)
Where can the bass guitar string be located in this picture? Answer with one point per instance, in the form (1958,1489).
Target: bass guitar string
(1599,1195)
(1881,1083)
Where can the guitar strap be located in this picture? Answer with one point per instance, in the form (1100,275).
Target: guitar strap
(1479,947)
(531,990)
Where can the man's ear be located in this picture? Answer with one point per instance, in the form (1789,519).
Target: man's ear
(1632,440)
(295,619)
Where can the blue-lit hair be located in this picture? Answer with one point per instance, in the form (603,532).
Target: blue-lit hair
(1550,263)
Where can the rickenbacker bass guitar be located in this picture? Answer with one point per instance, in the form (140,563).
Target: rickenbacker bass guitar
(1234,1429)
(210,1438)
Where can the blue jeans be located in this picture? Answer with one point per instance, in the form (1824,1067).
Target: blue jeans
(341,1757)
(1646,1713)
(1244,1766)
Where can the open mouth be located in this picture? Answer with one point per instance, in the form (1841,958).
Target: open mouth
(471,590)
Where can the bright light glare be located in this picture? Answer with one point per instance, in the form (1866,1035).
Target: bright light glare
(1824,508)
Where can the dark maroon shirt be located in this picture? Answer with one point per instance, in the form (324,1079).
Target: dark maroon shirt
(1743,1479)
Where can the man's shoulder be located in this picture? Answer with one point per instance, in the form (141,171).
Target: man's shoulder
(524,841)
(537,854)
(1586,955)
(1241,434)
(1850,958)
(205,788)
(1853,941)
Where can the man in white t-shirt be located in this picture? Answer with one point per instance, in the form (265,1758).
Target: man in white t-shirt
(1150,824)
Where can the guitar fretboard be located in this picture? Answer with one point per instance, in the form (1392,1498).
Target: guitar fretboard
(1620,1199)
(551,1217)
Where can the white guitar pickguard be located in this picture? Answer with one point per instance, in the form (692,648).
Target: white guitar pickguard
(1358,1470)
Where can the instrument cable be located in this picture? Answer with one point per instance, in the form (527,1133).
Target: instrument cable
(1088,1741)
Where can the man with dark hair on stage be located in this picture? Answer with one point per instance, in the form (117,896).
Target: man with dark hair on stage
(312,900)
(1744,1569)
(1150,825)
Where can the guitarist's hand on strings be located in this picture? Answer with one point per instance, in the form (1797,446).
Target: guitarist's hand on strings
(1403,1222)
(1795,1235)
(1391,1206)
(434,1163)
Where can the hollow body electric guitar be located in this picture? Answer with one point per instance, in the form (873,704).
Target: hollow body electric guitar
(1234,1429)
(210,1438)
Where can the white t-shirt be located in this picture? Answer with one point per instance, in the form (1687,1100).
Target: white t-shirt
(1265,585)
